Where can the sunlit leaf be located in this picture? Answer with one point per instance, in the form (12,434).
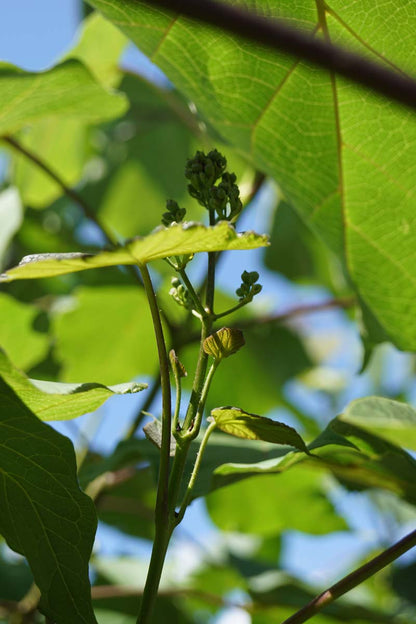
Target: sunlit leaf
(67,89)
(236,422)
(269,504)
(342,156)
(115,323)
(99,47)
(51,400)
(391,420)
(18,337)
(163,242)
(43,514)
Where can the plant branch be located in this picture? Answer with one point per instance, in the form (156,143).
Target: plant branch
(195,471)
(352,580)
(162,524)
(301,310)
(280,36)
(76,197)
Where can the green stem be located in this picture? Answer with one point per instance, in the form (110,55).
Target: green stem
(197,302)
(195,471)
(211,271)
(231,310)
(352,580)
(204,394)
(175,421)
(162,524)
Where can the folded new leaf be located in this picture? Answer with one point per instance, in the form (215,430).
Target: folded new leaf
(236,422)
(178,239)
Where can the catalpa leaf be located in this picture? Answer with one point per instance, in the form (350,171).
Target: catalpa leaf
(51,400)
(391,420)
(43,514)
(65,90)
(236,422)
(177,239)
(343,157)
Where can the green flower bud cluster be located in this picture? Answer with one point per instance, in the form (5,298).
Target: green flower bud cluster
(248,288)
(174,214)
(180,293)
(225,198)
(203,171)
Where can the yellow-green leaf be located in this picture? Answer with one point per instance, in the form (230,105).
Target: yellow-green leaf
(236,422)
(67,89)
(163,242)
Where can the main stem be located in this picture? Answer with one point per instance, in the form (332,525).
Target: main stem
(162,521)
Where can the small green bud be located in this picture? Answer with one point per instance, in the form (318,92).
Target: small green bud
(180,294)
(248,288)
(174,213)
(178,368)
(223,343)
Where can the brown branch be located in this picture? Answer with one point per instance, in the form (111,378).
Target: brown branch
(301,310)
(68,191)
(352,580)
(280,36)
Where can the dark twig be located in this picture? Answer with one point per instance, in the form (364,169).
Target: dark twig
(352,580)
(278,35)
(41,164)
(301,310)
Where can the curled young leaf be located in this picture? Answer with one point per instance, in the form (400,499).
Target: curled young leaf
(224,342)
(241,424)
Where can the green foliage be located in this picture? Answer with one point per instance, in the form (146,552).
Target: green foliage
(341,159)
(91,145)
(44,516)
(51,400)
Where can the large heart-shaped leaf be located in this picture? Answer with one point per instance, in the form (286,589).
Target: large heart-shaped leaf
(178,239)
(51,400)
(67,89)
(343,157)
(43,514)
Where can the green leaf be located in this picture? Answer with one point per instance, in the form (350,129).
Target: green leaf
(269,504)
(340,154)
(67,89)
(115,323)
(361,460)
(11,216)
(99,47)
(62,146)
(153,432)
(25,346)
(236,422)
(51,400)
(43,514)
(177,239)
(391,420)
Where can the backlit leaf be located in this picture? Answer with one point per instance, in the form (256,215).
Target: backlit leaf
(67,89)
(343,157)
(163,242)
(236,422)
